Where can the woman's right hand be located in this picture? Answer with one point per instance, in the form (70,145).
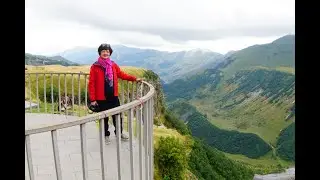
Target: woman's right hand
(94,103)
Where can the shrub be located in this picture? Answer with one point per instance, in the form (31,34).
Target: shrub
(171,158)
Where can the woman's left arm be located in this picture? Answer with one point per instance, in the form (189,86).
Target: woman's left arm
(124,76)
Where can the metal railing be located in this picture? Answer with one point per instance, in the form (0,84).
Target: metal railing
(66,93)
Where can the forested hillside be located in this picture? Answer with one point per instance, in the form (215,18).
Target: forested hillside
(235,142)
(38,60)
(251,94)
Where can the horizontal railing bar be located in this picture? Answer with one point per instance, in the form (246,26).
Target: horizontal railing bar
(96,116)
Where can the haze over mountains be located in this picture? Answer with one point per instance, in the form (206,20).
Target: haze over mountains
(168,65)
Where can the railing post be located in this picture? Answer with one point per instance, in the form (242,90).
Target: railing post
(132,91)
(101,140)
(128,100)
(128,92)
(29,157)
(145,125)
(52,101)
(56,154)
(44,92)
(140,141)
(59,93)
(142,114)
(118,135)
(72,87)
(84,151)
(151,135)
(79,94)
(86,92)
(30,93)
(37,79)
(137,109)
(65,94)
(122,98)
(140,131)
(122,92)
(130,119)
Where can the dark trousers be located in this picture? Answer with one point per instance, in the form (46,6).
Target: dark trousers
(109,104)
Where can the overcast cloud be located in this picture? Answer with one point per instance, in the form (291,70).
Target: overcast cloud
(218,25)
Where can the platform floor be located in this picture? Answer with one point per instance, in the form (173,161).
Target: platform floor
(70,151)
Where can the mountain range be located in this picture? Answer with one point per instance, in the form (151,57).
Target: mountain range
(38,60)
(251,91)
(168,65)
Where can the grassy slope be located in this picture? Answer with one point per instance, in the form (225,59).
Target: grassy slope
(235,104)
(263,165)
(279,53)
(75,69)
(264,119)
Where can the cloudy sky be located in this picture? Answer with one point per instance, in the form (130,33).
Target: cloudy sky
(171,25)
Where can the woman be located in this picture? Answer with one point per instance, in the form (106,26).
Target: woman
(103,86)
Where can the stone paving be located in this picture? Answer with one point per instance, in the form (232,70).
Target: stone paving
(70,151)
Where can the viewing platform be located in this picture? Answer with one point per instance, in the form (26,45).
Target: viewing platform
(68,143)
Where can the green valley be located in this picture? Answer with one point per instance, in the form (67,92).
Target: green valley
(247,101)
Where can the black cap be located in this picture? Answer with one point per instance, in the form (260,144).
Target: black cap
(105,47)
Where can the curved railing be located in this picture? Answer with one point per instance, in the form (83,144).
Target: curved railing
(49,95)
